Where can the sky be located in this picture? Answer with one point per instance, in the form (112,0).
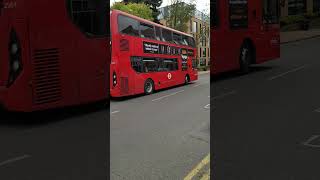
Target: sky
(202,5)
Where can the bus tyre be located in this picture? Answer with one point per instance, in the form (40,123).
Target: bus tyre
(148,87)
(186,79)
(245,58)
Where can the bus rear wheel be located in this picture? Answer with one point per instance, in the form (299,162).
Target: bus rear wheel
(186,79)
(148,87)
(245,58)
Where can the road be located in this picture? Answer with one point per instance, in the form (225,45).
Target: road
(162,136)
(68,144)
(266,125)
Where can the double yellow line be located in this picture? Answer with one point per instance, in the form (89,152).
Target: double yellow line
(198,168)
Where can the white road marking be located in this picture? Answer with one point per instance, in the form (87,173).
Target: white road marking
(224,95)
(308,142)
(197,85)
(285,73)
(115,112)
(172,94)
(12,160)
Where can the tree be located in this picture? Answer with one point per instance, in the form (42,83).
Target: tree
(137,9)
(152,4)
(178,14)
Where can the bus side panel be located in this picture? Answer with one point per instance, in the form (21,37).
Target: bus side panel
(57,83)
(4,56)
(93,69)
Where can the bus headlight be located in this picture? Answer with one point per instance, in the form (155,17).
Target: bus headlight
(14,48)
(15,63)
(114,78)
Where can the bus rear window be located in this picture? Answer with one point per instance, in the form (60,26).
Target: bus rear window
(128,26)
(147,31)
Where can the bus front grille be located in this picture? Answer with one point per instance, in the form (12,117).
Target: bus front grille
(124,85)
(46,76)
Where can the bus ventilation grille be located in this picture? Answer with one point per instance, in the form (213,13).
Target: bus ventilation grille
(124,45)
(124,86)
(46,76)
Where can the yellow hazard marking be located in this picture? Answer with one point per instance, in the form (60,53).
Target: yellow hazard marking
(198,168)
(206,176)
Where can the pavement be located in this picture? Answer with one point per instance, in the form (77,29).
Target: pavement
(291,36)
(165,135)
(265,125)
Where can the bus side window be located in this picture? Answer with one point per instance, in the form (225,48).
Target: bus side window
(88,16)
(147,31)
(238,14)
(128,26)
(150,65)
(158,33)
(271,12)
(136,64)
(185,40)
(166,35)
(176,38)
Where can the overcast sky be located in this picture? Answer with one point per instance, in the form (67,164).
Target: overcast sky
(202,5)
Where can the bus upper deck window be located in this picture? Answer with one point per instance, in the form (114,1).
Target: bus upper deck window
(158,33)
(89,16)
(166,35)
(147,31)
(128,26)
(177,38)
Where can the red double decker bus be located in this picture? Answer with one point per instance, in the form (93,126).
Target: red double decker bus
(53,53)
(147,56)
(244,32)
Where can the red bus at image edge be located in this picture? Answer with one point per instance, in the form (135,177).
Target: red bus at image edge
(52,53)
(147,56)
(243,33)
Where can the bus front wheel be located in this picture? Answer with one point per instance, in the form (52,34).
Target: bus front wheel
(148,87)
(245,58)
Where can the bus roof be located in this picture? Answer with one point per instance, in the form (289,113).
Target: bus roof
(150,22)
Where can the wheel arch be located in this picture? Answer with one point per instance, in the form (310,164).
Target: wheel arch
(252,46)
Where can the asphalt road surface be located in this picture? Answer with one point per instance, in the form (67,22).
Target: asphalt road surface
(161,136)
(68,144)
(266,125)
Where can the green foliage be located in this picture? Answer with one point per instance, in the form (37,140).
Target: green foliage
(294,19)
(137,9)
(179,14)
(152,4)
(291,19)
